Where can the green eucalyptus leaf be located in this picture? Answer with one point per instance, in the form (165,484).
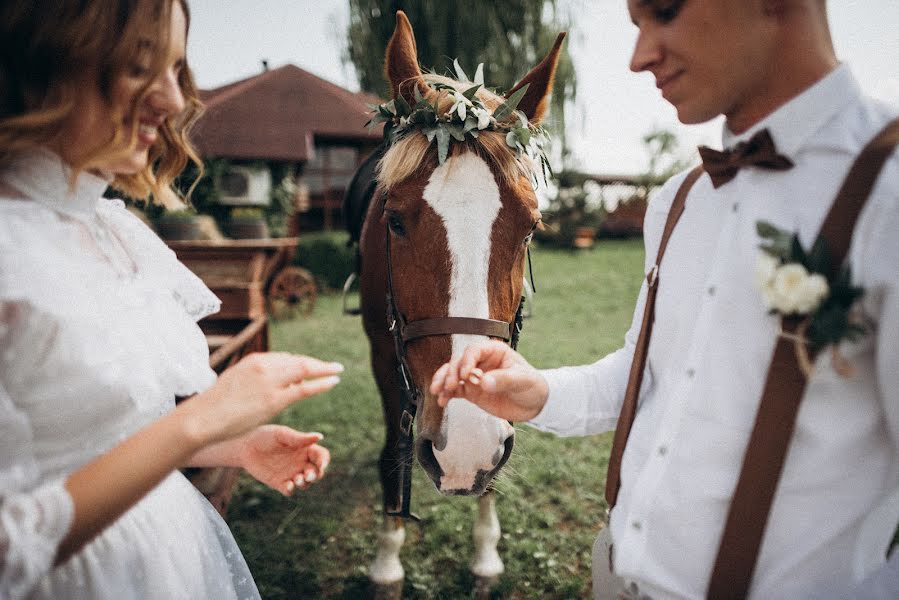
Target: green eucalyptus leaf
(523,135)
(457,132)
(797,252)
(819,257)
(767,230)
(470,123)
(402,106)
(443,142)
(504,110)
(470,92)
(416,93)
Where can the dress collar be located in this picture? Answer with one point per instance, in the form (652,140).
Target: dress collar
(42,176)
(795,122)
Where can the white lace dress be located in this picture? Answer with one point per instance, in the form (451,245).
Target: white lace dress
(98,335)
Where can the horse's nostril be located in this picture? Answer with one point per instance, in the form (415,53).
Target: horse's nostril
(503,453)
(428,460)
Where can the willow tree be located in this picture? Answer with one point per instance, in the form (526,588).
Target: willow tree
(507,36)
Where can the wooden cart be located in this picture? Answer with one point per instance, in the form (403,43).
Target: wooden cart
(255,281)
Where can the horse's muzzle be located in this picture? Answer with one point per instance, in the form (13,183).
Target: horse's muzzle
(481,479)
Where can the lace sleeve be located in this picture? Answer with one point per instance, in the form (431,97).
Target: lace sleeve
(34,516)
(158,261)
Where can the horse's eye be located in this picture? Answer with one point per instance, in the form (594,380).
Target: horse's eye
(530,236)
(395,223)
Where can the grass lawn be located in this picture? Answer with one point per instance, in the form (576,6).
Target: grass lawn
(550,504)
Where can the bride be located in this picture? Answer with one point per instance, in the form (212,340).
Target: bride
(98,330)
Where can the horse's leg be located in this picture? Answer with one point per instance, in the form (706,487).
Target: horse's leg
(486,564)
(386,572)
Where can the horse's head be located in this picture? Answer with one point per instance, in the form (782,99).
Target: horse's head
(458,229)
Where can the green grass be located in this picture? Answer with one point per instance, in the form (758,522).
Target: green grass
(320,543)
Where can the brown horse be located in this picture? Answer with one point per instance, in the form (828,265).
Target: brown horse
(443,246)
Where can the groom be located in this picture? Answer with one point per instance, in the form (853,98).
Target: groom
(769,67)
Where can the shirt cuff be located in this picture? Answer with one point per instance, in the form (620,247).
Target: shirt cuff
(555,416)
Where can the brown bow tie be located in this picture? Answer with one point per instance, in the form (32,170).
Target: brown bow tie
(758,151)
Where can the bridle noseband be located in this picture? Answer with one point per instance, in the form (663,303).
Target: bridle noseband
(404,332)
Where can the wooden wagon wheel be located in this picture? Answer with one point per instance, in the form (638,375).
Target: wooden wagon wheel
(292,292)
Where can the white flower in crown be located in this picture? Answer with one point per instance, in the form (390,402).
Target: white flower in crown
(789,289)
(483,116)
(460,105)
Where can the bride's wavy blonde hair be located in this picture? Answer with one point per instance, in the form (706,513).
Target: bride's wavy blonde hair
(47,47)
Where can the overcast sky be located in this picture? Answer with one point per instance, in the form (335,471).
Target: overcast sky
(615,108)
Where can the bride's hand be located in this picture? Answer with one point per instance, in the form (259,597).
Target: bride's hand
(282,458)
(253,391)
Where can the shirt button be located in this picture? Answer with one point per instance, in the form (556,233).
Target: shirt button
(637,525)
(736,206)
(691,372)
(711,290)
(663,450)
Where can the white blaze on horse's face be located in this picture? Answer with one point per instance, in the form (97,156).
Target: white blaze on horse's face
(465,195)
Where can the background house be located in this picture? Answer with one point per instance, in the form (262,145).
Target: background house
(286,122)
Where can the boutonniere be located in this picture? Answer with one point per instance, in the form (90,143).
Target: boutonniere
(796,283)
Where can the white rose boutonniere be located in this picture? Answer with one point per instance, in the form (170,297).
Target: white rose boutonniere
(796,283)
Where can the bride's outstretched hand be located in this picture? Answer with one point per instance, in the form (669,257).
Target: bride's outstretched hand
(253,391)
(282,458)
(496,378)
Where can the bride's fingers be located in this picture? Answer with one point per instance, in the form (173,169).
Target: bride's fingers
(306,388)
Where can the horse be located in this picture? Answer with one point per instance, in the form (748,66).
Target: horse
(441,252)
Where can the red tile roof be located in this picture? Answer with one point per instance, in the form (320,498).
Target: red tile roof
(278,115)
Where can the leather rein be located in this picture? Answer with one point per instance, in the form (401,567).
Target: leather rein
(403,332)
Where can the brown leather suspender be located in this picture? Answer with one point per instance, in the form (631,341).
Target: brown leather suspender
(635,379)
(783,390)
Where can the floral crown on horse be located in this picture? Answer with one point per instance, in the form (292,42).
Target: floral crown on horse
(467,117)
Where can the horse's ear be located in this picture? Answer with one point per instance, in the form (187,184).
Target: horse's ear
(535,100)
(401,62)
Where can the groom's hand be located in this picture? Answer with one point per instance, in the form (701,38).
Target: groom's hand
(495,377)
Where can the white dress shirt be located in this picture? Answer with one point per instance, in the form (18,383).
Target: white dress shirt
(837,503)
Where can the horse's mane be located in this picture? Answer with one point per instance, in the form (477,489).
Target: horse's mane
(408,153)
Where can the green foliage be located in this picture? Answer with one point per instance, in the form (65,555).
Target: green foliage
(467,117)
(320,543)
(830,322)
(247,212)
(203,195)
(571,209)
(508,37)
(184,214)
(326,255)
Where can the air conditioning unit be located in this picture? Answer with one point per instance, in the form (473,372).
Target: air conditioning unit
(243,186)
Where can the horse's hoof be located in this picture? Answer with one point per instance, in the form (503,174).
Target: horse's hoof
(482,586)
(386,591)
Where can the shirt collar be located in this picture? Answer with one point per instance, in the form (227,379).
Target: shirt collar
(42,176)
(795,122)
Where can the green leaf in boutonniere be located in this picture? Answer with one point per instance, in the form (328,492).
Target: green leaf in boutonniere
(797,283)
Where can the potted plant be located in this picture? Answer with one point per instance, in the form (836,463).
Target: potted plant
(180,224)
(247,222)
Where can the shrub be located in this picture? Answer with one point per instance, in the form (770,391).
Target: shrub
(326,255)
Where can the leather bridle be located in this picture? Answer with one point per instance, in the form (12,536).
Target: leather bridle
(406,331)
